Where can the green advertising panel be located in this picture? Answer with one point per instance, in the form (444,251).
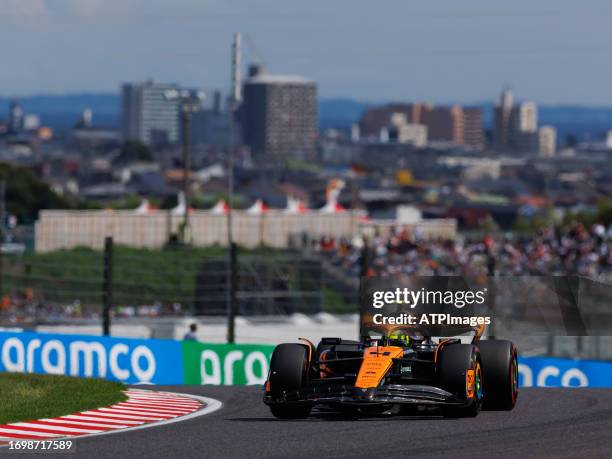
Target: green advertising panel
(225,364)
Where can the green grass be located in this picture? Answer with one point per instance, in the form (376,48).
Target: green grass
(334,303)
(143,276)
(140,276)
(29,396)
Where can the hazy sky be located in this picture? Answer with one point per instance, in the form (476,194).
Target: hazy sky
(553,51)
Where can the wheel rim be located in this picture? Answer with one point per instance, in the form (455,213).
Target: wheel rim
(478,382)
(514,376)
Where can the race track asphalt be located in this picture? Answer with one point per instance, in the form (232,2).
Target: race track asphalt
(545,423)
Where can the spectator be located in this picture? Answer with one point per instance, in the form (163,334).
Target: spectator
(572,249)
(191,334)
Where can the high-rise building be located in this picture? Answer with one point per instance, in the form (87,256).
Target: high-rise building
(376,118)
(31,122)
(462,126)
(472,127)
(279,115)
(503,113)
(444,123)
(525,117)
(401,131)
(86,118)
(524,127)
(515,126)
(547,140)
(15,121)
(148,113)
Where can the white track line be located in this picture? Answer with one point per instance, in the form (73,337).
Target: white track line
(52,427)
(154,401)
(78,417)
(116,416)
(149,410)
(76,423)
(132,414)
(21,432)
(143,410)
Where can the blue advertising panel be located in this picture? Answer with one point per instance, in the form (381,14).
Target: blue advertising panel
(153,361)
(121,359)
(554,372)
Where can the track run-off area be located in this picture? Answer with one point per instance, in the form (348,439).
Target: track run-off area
(545,423)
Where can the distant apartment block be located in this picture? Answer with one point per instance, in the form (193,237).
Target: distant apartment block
(503,113)
(524,127)
(547,140)
(377,118)
(401,131)
(444,123)
(525,117)
(515,126)
(455,124)
(472,127)
(148,115)
(15,120)
(279,115)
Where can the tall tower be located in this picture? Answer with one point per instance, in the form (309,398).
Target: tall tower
(15,120)
(236,95)
(506,100)
(524,127)
(503,115)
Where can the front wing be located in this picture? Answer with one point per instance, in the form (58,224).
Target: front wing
(351,395)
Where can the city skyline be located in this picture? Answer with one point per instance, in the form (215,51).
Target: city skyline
(553,54)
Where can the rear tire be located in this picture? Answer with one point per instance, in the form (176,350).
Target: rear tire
(500,374)
(288,372)
(454,362)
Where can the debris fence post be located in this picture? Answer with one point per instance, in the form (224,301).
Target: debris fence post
(364,268)
(232,289)
(107,287)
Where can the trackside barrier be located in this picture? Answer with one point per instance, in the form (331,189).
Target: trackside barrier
(155,361)
(121,359)
(133,361)
(555,372)
(226,364)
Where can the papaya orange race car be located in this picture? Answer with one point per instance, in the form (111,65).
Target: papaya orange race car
(399,369)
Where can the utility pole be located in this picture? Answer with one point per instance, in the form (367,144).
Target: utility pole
(185,109)
(364,268)
(2,231)
(232,271)
(189,101)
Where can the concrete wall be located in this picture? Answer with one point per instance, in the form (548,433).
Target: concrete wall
(61,229)
(280,329)
(58,229)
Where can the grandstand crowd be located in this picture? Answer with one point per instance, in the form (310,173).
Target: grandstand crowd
(571,249)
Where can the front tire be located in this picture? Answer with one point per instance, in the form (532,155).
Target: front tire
(288,372)
(455,361)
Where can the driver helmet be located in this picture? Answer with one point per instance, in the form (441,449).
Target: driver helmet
(399,339)
(405,337)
